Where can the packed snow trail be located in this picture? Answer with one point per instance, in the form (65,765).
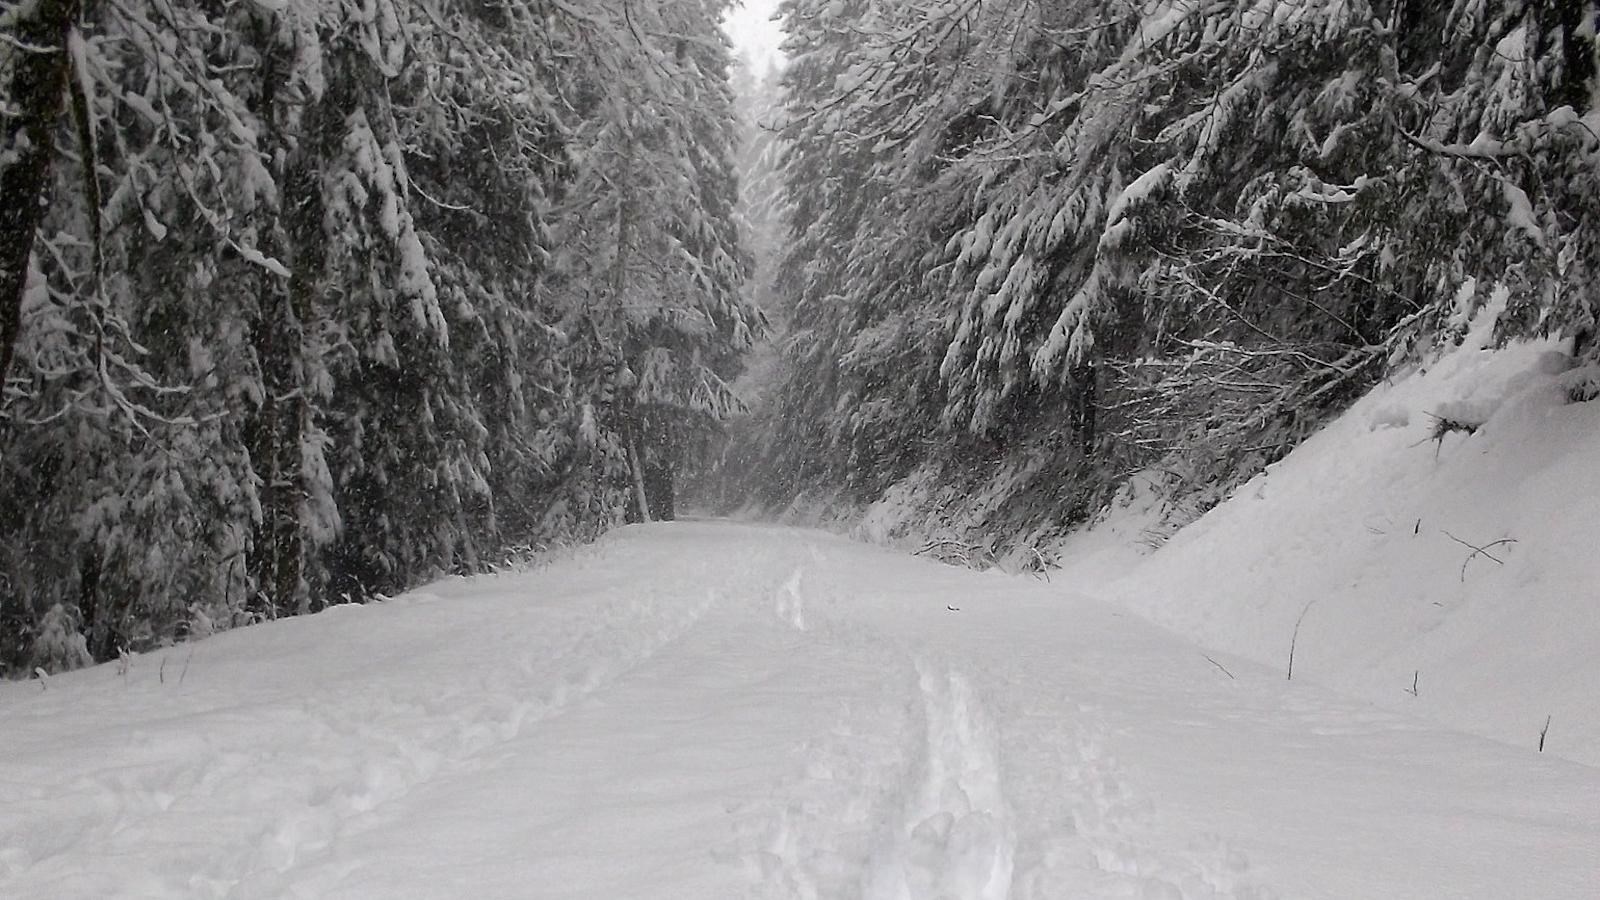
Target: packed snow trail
(707,710)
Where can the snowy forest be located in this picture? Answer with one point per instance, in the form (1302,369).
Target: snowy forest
(1035,247)
(309,301)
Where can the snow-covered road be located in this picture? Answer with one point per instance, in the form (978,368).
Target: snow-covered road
(709,710)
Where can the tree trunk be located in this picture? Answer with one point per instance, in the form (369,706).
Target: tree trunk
(98,619)
(1081,407)
(274,433)
(660,458)
(636,472)
(276,430)
(1577,45)
(38,84)
(659,487)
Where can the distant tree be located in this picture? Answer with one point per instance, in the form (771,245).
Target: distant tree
(650,264)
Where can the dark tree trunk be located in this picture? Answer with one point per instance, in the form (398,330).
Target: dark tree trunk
(1577,45)
(659,485)
(276,429)
(274,433)
(38,85)
(1081,407)
(641,494)
(659,455)
(98,620)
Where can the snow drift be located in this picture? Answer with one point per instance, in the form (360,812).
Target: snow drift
(1436,546)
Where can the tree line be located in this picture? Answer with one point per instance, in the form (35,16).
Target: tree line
(307,300)
(1102,237)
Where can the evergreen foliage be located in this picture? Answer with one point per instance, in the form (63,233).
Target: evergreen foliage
(313,299)
(726,475)
(1170,234)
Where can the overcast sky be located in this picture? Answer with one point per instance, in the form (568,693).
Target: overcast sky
(753,32)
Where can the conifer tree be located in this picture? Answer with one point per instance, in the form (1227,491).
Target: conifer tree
(301,304)
(1164,228)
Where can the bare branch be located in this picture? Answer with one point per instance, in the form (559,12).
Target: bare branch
(1479,551)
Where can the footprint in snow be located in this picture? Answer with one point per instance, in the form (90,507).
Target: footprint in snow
(953,837)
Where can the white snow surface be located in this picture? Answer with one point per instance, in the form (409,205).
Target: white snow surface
(711,710)
(1454,577)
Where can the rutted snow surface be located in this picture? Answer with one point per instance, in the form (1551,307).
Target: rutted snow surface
(705,710)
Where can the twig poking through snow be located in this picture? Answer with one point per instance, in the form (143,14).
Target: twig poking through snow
(1040,567)
(1295,638)
(1479,551)
(1444,425)
(1220,666)
(958,553)
(1542,732)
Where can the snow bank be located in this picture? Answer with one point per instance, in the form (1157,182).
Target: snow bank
(1436,545)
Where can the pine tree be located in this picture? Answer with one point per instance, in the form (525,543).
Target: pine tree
(649,266)
(304,310)
(1171,227)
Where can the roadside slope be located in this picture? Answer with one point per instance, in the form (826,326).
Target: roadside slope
(1436,546)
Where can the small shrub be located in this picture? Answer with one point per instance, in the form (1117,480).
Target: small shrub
(1582,385)
(59,645)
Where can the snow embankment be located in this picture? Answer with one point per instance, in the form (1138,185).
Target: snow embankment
(1438,547)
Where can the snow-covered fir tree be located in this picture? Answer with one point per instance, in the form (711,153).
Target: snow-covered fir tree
(315,299)
(1109,232)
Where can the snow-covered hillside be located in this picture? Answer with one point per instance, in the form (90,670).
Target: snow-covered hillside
(705,710)
(1454,576)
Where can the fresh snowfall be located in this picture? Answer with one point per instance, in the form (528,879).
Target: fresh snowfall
(711,709)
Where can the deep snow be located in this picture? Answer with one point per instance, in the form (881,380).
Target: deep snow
(1368,530)
(706,710)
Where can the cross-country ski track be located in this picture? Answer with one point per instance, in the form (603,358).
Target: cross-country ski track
(713,710)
